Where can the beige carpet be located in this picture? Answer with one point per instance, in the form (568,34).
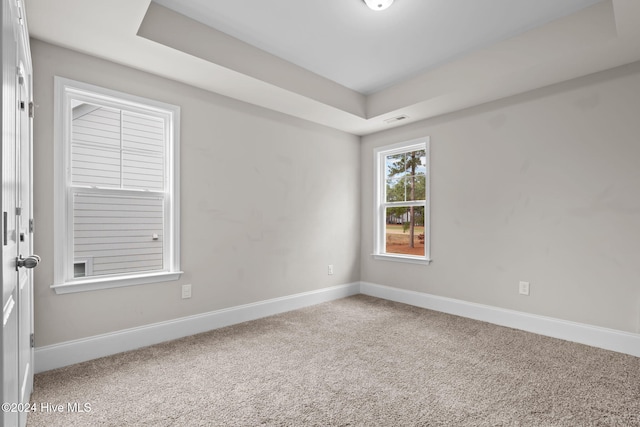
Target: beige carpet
(358,361)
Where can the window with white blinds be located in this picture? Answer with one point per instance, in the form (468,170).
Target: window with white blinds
(116,162)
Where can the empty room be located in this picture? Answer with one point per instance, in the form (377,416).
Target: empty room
(321,213)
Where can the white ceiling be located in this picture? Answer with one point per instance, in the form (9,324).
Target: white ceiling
(322,61)
(367,50)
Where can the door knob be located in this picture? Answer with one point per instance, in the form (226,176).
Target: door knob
(28,262)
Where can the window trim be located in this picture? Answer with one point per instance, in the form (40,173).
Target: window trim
(379,205)
(65,89)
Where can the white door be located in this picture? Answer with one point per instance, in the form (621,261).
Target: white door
(15,235)
(9,242)
(24,238)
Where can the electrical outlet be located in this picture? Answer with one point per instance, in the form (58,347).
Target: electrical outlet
(524,288)
(186,291)
(330,269)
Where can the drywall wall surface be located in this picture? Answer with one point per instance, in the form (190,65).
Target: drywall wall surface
(541,187)
(267,202)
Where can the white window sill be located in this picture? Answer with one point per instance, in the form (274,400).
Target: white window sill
(402,258)
(98,283)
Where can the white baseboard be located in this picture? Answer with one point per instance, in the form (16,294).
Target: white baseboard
(71,352)
(608,339)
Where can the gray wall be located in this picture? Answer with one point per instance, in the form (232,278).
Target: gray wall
(268,201)
(542,187)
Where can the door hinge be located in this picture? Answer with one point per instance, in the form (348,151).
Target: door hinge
(18,211)
(32,110)
(32,339)
(5,239)
(31,225)
(20,17)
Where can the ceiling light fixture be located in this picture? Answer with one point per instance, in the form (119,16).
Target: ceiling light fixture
(378,4)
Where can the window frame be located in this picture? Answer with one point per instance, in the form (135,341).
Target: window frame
(64,281)
(380,203)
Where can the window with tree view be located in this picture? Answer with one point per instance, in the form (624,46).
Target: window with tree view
(402,214)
